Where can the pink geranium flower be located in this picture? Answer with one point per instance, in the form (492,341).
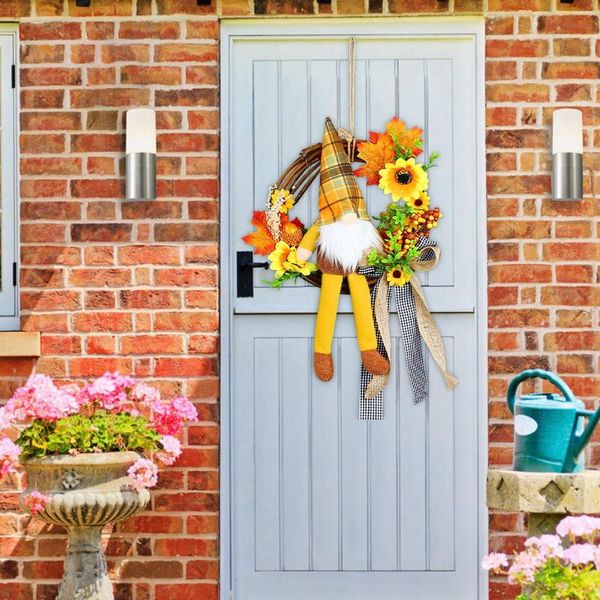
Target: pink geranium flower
(9,454)
(494,561)
(168,417)
(578,526)
(170,452)
(581,554)
(110,392)
(36,502)
(143,474)
(39,398)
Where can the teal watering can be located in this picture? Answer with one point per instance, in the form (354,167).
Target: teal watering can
(550,431)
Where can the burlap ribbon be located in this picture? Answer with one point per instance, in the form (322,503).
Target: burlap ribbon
(425,261)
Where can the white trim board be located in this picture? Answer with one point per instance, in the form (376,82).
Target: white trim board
(438,27)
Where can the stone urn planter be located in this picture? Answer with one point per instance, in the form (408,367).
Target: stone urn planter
(87,492)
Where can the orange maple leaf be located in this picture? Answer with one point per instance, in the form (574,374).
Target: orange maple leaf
(376,153)
(261,240)
(408,140)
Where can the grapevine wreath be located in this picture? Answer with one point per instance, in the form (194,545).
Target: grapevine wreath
(370,263)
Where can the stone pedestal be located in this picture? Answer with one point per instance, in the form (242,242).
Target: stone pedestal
(547,497)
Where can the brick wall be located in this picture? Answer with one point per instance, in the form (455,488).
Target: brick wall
(133,286)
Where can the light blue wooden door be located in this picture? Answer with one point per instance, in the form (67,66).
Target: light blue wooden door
(320,505)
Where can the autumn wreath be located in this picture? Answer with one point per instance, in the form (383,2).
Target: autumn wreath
(389,161)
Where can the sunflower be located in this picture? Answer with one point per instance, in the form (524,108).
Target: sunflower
(397,276)
(284,199)
(403,179)
(421,203)
(284,259)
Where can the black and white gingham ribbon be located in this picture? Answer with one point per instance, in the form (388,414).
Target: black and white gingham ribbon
(371,409)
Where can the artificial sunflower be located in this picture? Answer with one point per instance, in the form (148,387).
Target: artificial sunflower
(421,203)
(404,179)
(284,259)
(283,199)
(397,276)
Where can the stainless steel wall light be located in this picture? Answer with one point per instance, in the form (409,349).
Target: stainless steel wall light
(140,148)
(567,154)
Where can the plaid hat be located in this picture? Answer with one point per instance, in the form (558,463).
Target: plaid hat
(339,193)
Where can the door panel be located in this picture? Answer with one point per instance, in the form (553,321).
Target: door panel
(324,506)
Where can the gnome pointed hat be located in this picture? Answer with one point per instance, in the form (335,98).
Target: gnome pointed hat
(339,193)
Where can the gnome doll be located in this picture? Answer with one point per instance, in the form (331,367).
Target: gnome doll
(342,235)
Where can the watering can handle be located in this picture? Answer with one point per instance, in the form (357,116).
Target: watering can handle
(533,374)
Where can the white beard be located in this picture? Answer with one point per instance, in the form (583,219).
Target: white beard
(345,244)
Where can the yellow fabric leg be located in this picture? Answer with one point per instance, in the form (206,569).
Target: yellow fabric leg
(328,305)
(361,306)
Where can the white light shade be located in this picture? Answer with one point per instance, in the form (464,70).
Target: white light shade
(140,131)
(567,131)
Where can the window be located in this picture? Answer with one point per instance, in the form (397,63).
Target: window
(8,179)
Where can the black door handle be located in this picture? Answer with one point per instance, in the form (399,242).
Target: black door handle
(245,278)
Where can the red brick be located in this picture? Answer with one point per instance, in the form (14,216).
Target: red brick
(573,318)
(514,229)
(190,501)
(193,97)
(151,75)
(574,274)
(191,232)
(102,76)
(185,366)
(206,277)
(203,119)
(99,321)
(95,367)
(99,277)
(513,92)
(42,99)
(202,29)
(50,120)
(572,92)
(577,24)
(571,70)
(186,591)
(190,7)
(18,591)
(202,524)
(521,273)
(202,569)
(186,547)
(498,70)
(520,184)
(154,255)
(98,142)
(55,323)
(100,30)
(152,524)
(201,299)
(102,8)
(100,299)
(576,251)
(571,47)
(50,31)
(42,53)
(202,75)
(39,143)
(517,138)
(152,344)
(42,233)
(150,299)
(100,344)
(516,48)
(50,166)
(202,254)
(144,30)
(185,142)
(86,98)
(83,53)
(571,296)
(501,116)
(518,317)
(100,232)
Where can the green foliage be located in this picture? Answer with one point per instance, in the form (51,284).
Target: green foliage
(432,158)
(100,432)
(555,581)
(278,282)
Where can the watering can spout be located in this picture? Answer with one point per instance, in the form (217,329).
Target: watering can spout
(579,442)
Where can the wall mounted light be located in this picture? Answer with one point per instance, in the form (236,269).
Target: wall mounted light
(567,154)
(140,147)
(83,3)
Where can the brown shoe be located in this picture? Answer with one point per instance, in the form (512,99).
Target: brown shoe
(375,363)
(323,366)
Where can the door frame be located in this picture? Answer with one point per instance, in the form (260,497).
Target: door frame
(231,29)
